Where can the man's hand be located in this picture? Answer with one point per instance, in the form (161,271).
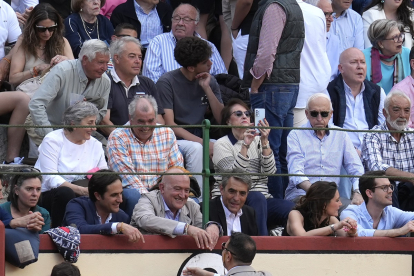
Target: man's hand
(357,199)
(214,232)
(201,237)
(204,80)
(22,18)
(131,232)
(196,271)
(409,227)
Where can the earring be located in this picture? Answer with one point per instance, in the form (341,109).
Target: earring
(382,1)
(81,8)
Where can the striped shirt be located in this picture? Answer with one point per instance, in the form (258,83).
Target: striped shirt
(227,157)
(150,24)
(159,57)
(128,154)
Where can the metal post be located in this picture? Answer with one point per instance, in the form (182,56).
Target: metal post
(206,170)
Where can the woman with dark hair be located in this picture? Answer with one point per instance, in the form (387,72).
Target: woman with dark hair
(399,11)
(42,45)
(22,201)
(316,214)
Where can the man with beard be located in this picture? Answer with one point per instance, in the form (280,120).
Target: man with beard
(393,152)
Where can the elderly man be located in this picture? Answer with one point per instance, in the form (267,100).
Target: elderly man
(392,152)
(376,217)
(229,209)
(69,82)
(159,58)
(126,83)
(142,149)
(321,152)
(168,211)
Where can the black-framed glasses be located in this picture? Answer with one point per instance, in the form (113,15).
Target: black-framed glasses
(386,187)
(397,38)
(239,113)
(186,20)
(42,29)
(328,14)
(223,247)
(315,114)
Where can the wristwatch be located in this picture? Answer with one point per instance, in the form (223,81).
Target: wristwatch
(357,191)
(246,145)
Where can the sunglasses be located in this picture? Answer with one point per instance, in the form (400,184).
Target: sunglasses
(239,113)
(42,29)
(315,114)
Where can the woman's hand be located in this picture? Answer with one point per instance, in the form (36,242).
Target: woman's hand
(349,225)
(248,135)
(264,132)
(57,59)
(42,67)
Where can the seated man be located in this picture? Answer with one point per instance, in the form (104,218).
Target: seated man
(126,83)
(99,213)
(159,57)
(122,30)
(392,151)
(141,149)
(229,209)
(185,94)
(376,217)
(168,211)
(321,152)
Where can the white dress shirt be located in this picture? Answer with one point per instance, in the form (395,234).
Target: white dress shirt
(232,220)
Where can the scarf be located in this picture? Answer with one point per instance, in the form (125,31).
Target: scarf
(376,57)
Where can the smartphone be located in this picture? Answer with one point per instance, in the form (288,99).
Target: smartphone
(259,115)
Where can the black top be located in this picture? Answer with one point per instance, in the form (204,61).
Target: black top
(307,223)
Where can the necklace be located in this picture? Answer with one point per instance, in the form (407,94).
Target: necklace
(40,47)
(90,30)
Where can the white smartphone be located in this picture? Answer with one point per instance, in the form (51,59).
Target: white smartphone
(259,115)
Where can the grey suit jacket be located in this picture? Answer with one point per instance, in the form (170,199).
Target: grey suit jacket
(247,271)
(149,215)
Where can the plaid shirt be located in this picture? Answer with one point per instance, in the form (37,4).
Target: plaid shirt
(128,154)
(381,151)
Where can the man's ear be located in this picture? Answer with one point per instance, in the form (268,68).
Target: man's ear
(221,189)
(161,186)
(191,68)
(97,196)
(385,113)
(369,193)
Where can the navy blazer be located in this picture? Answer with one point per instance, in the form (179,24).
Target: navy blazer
(81,211)
(247,220)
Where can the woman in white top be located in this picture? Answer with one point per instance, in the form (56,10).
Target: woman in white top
(393,10)
(69,150)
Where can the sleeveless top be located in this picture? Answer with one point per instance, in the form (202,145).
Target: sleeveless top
(307,223)
(31,62)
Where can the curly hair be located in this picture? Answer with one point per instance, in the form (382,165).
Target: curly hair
(190,51)
(403,13)
(55,45)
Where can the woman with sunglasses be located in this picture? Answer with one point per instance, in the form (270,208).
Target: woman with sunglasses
(388,62)
(317,214)
(22,202)
(244,148)
(42,45)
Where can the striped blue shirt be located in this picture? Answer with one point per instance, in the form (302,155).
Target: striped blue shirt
(150,24)
(159,57)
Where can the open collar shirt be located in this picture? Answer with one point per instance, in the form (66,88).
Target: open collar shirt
(232,220)
(150,24)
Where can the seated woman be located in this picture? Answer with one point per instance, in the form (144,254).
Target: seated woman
(387,60)
(86,23)
(316,214)
(69,150)
(23,198)
(42,45)
(244,149)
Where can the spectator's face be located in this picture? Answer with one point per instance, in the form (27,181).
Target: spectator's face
(378,196)
(398,113)
(203,66)
(392,4)
(29,192)
(95,68)
(388,46)
(332,207)
(142,117)
(326,7)
(319,107)
(234,195)
(175,190)
(91,7)
(242,120)
(85,133)
(182,28)
(342,4)
(111,199)
(42,30)
(352,66)
(129,62)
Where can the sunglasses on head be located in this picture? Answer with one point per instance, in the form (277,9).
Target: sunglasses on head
(315,114)
(43,29)
(239,113)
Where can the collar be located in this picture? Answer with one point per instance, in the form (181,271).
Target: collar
(131,134)
(138,7)
(366,214)
(167,209)
(172,37)
(227,211)
(344,14)
(385,127)
(348,89)
(232,139)
(308,124)
(108,219)
(116,78)
(81,73)
(241,268)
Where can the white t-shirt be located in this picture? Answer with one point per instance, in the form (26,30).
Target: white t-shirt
(9,26)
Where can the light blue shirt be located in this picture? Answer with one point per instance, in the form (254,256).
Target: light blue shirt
(391,218)
(159,57)
(150,24)
(333,51)
(307,154)
(348,28)
(179,229)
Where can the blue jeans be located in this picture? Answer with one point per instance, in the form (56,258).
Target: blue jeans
(130,198)
(278,100)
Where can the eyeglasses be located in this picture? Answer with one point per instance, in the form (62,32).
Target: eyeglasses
(386,187)
(397,38)
(224,248)
(186,20)
(328,14)
(42,29)
(239,113)
(315,114)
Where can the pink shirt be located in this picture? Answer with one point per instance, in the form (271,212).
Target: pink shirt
(407,86)
(109,7)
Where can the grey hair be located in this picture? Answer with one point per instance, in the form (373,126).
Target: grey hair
(118,45)
(395,93)
(132,106)
(379,29)
(74,114)
(91,47)
(197,19)
(242,178)
(319,95)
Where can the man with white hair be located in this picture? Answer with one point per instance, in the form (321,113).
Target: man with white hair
(320,152)
(393,152)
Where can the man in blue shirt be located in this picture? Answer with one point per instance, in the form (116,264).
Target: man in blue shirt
(376,216)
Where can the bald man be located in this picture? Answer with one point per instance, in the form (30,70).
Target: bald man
(168,211)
